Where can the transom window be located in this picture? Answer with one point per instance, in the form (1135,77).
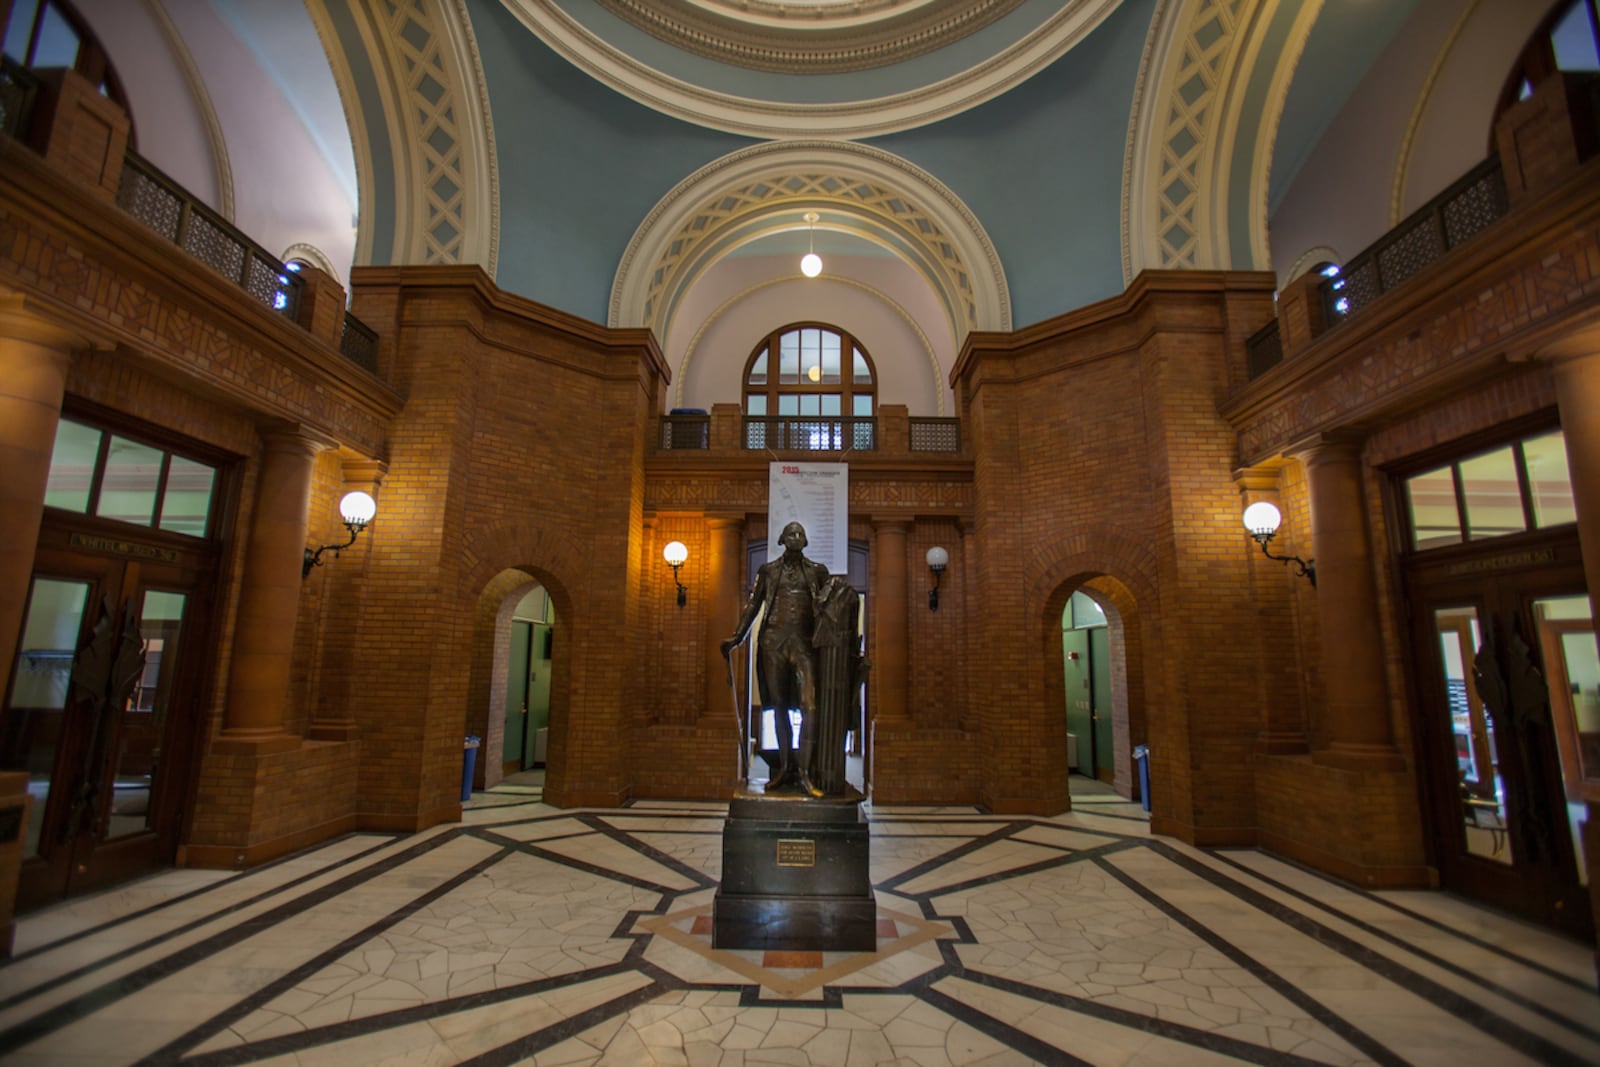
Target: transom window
(97,472)
(810,369)
(1517,487)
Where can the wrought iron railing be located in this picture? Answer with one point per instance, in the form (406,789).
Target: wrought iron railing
(685,431)
(811,433)
(18,90)
(1455,216)
(359,343)
(172,211)
(935,434)
(1264,350)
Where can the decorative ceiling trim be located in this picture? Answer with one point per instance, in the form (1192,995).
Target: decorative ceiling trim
(716,110)
(1182,135)
(480,129)
(435,109)
(215,138)
(869,192)
(1402,166)
(1285,62)
(356,120)
(1308,259)
(816,38)
(940,387)
(313,255)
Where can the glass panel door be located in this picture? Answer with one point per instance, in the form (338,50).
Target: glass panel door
(36,713)
(1471,731)
(136,748)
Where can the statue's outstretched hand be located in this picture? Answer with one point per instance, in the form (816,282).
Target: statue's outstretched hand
(728,645)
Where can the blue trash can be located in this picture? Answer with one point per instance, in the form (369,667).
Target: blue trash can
(469,764)
(1141,756)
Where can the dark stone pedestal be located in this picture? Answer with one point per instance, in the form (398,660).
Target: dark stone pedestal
(794,875)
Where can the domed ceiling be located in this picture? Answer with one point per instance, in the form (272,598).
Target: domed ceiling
(833,68)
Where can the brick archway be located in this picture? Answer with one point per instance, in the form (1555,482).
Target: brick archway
(500,563)
(1120,574)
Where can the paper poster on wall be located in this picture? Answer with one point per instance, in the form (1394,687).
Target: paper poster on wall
(817,495)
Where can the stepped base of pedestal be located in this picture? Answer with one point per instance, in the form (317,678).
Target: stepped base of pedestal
(794,876)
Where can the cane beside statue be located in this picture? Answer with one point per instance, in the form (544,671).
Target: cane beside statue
(808,659)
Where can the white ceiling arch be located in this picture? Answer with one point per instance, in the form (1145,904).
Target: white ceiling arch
(864,192)
(980,80)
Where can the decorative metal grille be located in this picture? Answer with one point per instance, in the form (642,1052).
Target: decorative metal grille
(267,283)
(685,432)
(1264,350)
(1411,250)
(150,202)
(359,343)
(1477,206)
(1475,201)
(810,434)
(213,246)
(935,435)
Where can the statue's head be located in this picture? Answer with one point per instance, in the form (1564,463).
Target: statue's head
(793,537)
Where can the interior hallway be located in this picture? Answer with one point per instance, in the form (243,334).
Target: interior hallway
(528,934)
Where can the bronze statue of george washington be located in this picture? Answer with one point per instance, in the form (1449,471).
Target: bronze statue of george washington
(794,591)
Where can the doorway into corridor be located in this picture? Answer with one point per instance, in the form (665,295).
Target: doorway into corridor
(1086,667)
(528,664)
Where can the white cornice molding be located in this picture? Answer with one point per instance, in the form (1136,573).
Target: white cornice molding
(1142,155)
(215,138)
(776,119)
(940,388)
(355,119)
(813,38)
(1183,139)
(483,244)
(676,241)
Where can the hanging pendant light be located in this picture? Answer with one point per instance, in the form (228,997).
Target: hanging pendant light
(811,263)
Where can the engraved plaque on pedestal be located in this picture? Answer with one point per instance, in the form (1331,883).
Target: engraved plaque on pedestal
(794,875)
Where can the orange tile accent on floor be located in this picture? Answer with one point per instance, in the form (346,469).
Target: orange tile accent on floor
(798,960)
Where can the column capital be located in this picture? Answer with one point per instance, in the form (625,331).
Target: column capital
(1327,446)
(1261,478)
(22,320)
(293,437)
(891,524)
(361,471)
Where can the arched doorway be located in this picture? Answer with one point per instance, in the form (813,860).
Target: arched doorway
(512,671)
(1097,657)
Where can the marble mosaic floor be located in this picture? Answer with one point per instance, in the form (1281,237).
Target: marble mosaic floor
(531,935)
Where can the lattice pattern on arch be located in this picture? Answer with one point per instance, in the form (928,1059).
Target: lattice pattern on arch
(864,196)
(1189,124)
(432,100)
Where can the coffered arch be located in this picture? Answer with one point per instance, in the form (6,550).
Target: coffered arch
(764,190)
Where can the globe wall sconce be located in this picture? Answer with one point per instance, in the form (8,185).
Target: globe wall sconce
(675,553)
(938,559)
(356,509)
(811,263)
(1262,520)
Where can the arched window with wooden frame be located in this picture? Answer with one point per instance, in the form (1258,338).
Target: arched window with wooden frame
(1567,40)
(810,386)
(51,33)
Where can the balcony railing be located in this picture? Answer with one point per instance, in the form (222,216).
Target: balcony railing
(684,430)
(810,433)
(172,211)
(1455,216)
(359,343)
(935,434)
(18,90)
(1264,350)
